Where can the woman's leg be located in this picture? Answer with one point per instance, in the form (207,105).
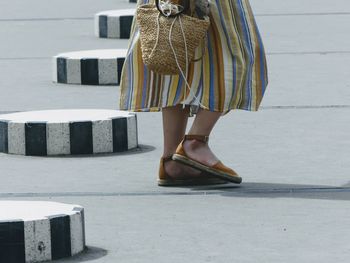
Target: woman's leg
(203,124)
(174,127)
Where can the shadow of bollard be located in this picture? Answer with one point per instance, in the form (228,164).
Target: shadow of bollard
(90,253)
(142,148)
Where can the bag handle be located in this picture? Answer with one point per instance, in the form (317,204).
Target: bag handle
(189,5)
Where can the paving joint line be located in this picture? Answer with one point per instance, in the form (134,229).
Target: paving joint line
(225,191)
(268,54)
(25,58)
(34,19)
(288,107)
(306,14)
(329,52)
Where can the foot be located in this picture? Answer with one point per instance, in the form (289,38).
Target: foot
(196,149)
(200,152)
(177,170)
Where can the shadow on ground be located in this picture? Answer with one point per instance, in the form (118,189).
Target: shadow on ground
(142,148)
(268,190)
(90,253)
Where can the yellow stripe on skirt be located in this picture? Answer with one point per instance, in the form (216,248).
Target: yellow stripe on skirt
(231,75)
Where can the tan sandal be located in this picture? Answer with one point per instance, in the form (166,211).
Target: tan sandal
(203,179)
(218,170)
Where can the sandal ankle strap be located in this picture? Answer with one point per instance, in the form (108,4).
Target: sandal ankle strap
(202,138)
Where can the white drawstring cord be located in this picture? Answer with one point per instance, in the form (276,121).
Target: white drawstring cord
(187,62)
(186,55)
(176,60)
(186,52)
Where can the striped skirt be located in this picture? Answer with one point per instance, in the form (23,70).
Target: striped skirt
(231,75)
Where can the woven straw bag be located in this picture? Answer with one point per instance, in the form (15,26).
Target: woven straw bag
(168,43)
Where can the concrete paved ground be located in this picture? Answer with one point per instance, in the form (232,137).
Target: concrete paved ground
(293,154)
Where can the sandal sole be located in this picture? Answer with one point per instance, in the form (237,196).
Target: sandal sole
(191,182)
(204,168)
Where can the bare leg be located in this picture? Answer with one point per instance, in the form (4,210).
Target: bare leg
(174,127)
(203,124)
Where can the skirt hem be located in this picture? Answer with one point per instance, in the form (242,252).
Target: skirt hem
(159,109)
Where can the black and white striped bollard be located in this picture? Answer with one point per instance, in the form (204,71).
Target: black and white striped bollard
(89,67)
(68,132)
(36,231)
(114,23)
